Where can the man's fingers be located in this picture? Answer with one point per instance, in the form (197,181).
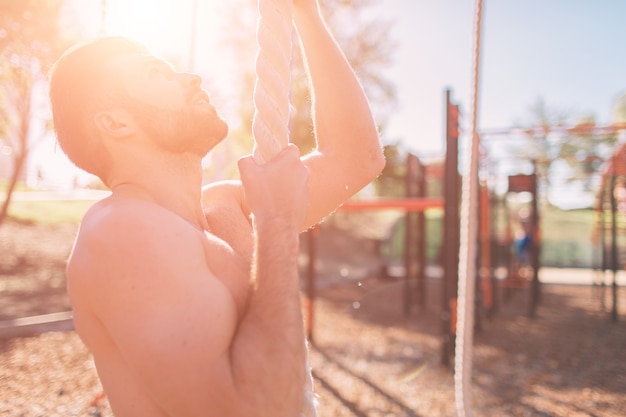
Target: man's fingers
(246,164)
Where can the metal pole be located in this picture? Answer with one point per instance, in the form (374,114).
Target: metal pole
(603,252)
(614,259)
(408,235)
(535,247)
(421,239)
(450,257)
(310,287)
(192,43)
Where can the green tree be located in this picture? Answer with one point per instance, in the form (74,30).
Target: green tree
(30,39)
(550,135)
(585,150)
(365,41)
(619,109)
(392,180)
(540,147)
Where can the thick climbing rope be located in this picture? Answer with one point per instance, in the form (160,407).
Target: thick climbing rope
(467,250)
(270,124)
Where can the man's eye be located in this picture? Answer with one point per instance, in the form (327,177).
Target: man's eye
(156,72)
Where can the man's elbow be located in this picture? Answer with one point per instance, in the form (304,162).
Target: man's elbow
(368,167)
(375,162)
(379,161)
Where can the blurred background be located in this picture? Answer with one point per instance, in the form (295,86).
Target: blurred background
(382,272)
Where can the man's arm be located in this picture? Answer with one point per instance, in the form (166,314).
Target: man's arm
(349,154)
(275,302)
(174,321)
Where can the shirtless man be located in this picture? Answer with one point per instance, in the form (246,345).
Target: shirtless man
(188,296)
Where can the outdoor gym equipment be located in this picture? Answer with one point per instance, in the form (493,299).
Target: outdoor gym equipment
(413,205)
(611,190)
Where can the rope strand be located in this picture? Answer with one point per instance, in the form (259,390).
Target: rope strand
(467,250)
(273,79)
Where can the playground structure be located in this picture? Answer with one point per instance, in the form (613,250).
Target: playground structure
(418,200)
(611,222)
(503,265)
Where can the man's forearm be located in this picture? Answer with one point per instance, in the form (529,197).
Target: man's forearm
(269,351)
(340,108)
(348,154)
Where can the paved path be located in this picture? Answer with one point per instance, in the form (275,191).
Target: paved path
(579,276)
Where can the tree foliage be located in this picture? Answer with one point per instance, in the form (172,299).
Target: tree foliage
(541,148)
(30,39)
(551,135)
(619,109)
(392,180)
(585,151)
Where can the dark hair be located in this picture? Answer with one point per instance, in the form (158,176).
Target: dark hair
(81,85)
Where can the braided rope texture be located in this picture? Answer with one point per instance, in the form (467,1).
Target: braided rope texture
(468,250)
(270,124)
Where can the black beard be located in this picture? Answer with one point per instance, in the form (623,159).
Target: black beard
(180,131)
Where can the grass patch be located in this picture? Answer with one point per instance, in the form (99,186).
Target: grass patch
(49,212)
(567,224)
(567,237)
(20,186)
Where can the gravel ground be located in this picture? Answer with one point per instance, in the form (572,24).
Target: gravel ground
(369,359)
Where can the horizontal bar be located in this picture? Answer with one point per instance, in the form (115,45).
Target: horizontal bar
(30,326)
(405,204)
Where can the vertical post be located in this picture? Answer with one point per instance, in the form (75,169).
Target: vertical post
(410,237)
(508,257)
(603,252)
(496,250)
(535,246)
(614,259)
(451,232)
(421,239)
(483,300)
(310,286)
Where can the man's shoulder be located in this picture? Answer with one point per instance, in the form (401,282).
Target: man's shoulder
(122,220)
(116,234)
(222,193)
(225,199)
(228,215)
(112,211)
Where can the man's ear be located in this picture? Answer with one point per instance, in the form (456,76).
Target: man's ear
(115,123)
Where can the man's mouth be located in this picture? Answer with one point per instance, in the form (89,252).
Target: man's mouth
(201,98)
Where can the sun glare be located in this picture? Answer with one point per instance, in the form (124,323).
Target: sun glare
(167,27)
(160,24)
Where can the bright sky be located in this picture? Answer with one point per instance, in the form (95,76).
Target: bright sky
(568,52)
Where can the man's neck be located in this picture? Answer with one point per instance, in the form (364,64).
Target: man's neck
(173,181)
